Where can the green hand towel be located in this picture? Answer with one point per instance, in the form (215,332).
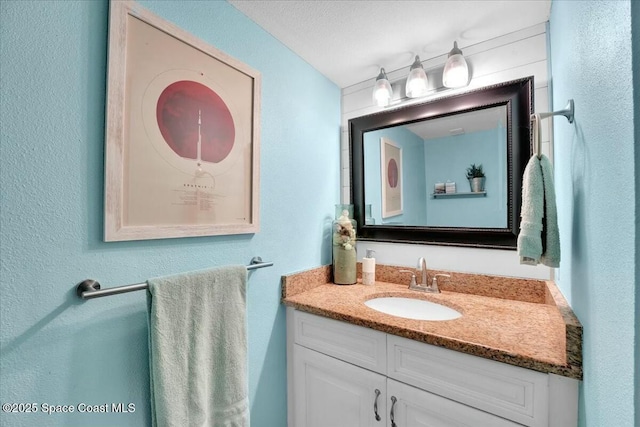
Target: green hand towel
(198,349)
(539,238)
(551,251)
(532,211)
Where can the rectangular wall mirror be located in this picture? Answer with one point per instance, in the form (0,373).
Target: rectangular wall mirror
(409,168)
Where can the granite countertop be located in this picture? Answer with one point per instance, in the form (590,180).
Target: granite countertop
(522,322)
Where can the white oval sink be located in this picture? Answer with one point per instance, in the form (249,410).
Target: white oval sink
(411,308)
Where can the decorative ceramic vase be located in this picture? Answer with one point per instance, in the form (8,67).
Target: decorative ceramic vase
(344,246)
(477,184)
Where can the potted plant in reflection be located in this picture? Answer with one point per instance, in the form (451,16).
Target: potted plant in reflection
(476,178)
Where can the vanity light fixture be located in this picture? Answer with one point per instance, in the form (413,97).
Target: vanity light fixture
(455,75)
(417,82)
(382,91)
(456,71)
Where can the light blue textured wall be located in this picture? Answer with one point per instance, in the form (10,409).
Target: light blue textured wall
(595,167)
(488,148)
(635,33)
(58,350)
(413,190)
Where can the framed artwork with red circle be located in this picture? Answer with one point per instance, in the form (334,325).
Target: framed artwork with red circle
(182,134)
(391,174)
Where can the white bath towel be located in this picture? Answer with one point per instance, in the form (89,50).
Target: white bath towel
(198,349)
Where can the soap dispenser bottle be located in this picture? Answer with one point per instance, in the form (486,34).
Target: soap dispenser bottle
(369,268)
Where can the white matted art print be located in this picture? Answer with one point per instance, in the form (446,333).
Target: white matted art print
(182,139)
(391,174)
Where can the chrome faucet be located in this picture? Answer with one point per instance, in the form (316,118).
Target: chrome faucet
(424,283)
(424,286)
(422,266)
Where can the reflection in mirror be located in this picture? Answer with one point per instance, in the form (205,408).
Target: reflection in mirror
(439,151)
(404,159)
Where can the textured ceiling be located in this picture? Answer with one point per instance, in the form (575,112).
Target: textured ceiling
(349,40)
(474,121)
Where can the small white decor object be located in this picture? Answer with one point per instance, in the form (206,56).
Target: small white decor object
(450,187)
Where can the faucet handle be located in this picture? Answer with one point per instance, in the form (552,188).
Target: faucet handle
(434,282)
(413,277)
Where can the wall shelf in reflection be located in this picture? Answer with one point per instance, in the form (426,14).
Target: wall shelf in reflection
(458,195)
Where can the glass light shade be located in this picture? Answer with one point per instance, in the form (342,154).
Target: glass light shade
(417,82)
(382,91)
(456,71)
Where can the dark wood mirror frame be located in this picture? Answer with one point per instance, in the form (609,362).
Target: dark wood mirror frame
(517,96)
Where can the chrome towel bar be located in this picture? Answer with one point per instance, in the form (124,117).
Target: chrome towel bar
(568,112)
(89,288)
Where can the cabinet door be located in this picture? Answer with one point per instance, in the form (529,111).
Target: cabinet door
(418,408)
(332,393)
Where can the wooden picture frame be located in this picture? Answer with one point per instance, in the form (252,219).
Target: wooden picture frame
(182,139)
(391,176)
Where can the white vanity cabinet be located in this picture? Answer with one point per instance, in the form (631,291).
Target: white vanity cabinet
(342,375)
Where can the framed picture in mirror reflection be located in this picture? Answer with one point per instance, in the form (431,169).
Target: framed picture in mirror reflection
(391,176)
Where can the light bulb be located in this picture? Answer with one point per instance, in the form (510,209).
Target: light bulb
(456,70)
(417,82)
(382,91)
